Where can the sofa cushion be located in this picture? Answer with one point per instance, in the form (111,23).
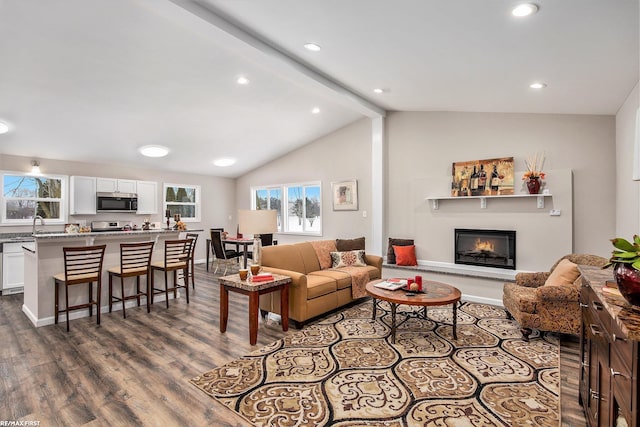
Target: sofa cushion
(323,250)
(318,285)
(343,245)
(348,258)
(391,255)
(286,257)
(405,255)
(343,280)
(565,273)
(309,257)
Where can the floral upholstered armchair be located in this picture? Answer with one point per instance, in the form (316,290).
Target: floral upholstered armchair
(549,301)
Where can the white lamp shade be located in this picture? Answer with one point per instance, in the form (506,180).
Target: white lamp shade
(257,221)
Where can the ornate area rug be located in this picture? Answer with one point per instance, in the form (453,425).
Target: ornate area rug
(344,371)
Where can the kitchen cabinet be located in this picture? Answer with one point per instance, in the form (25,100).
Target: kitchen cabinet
(113,185)
(13,266)
(609,387)
(83,195)
(147,197)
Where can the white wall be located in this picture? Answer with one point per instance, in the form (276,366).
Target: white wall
(218,194)
(423,145)
(342,155)
(627,190)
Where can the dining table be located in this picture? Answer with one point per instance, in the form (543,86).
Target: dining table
(233,240)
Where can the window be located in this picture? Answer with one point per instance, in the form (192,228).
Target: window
(25,196)
(269,198)
(303,203)
(183,200)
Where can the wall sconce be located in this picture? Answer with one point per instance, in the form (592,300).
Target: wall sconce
(35,168)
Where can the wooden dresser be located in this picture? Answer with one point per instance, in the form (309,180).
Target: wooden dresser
(609,346)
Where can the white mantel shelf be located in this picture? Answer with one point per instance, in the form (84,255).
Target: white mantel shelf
(483,199)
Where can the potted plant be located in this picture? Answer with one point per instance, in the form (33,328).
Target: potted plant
(626,261)
(533,176)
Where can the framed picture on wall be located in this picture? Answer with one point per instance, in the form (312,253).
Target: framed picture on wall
(345,195)
(489,177)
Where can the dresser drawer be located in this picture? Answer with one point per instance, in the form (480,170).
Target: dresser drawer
(622,346)
(621,381)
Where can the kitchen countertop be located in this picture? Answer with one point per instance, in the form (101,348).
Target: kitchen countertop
(45,236)
(28,237)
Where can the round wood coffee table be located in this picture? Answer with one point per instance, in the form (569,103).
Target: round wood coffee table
(433,294)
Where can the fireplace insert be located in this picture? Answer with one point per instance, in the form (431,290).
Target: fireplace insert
(487,248)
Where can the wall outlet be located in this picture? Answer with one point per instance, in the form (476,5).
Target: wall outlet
(364,214)
(554,212)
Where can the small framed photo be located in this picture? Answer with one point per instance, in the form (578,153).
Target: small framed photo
(345,195)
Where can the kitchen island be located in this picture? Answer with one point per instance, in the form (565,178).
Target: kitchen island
(47,259)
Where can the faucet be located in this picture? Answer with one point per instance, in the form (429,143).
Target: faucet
(35,218)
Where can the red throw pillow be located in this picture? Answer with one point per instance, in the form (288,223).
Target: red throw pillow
(405,255)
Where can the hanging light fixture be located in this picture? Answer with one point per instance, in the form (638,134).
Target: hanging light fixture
(35,167)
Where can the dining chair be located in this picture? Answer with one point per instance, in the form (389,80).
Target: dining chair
(194,237)
(135,261)
(221,255)
(176,257)
(82,264)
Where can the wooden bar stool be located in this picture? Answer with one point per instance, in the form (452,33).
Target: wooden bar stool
(135,261)
(82,264)
(176,257)
(194,237)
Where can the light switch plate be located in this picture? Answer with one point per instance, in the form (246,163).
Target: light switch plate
(555,212)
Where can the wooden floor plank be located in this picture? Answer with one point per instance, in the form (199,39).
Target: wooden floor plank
(135,371)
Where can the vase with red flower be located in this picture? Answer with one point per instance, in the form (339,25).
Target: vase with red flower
(533,176)
(534,184)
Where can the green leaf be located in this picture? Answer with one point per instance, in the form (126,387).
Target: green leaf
(625,254)
(636,239)
(623,244)
(636,264)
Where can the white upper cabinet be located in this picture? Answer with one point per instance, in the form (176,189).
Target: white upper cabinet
(83,195)
(113,185)
(147,197)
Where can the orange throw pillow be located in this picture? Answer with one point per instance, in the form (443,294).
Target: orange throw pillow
(565,273)
(405,255)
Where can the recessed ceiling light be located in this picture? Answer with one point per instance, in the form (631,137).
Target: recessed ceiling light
(524,9)
(312,47)
(537,85)
(315,110)
(224,162)
(378,90)
(242,80)
(4,128)
(154,151)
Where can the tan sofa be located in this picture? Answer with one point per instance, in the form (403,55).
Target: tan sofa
(312,291)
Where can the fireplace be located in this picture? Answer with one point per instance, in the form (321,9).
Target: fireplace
(488,248)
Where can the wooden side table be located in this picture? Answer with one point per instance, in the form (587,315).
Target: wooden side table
(253,290)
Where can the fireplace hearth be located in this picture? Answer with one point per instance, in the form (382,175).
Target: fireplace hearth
(487,248)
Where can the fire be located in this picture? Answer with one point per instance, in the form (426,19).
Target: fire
(484,245)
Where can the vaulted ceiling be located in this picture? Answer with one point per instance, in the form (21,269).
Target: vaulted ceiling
(93,80)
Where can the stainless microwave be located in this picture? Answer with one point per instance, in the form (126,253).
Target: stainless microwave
(116,202)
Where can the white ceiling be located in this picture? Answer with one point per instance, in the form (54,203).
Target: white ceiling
(92,80)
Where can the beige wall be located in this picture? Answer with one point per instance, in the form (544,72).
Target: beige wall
(218,194)
(627,190)
(345,154)
(423,145)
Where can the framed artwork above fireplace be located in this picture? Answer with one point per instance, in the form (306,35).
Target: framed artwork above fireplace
(489,177)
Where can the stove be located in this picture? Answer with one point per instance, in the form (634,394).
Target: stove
(110,225)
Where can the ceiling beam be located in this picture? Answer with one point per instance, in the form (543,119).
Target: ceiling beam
(226,23)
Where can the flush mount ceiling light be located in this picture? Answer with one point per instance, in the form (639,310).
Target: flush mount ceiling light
(315,110)
(35,167)
(224,162)
(378,90)
(537,85)
(4,128)
(312,47)
(242,80)
(524,9)
(154,151)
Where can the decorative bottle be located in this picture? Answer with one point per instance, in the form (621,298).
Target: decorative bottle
(495,181)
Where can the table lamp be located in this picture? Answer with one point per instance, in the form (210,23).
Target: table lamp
(257,222)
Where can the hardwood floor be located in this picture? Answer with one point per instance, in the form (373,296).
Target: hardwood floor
(135,371)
